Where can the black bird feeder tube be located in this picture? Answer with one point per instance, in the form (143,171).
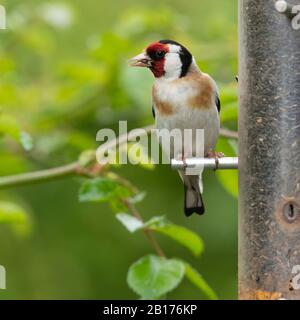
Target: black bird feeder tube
(269,150)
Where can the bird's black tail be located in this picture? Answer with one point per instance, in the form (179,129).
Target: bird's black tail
(193,202)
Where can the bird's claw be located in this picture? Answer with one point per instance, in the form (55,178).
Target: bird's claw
(182,158)
(215,155)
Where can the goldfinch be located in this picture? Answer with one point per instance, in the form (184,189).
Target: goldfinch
(183,97)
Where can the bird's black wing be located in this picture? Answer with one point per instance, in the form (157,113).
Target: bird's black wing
(218,103)
(153,112)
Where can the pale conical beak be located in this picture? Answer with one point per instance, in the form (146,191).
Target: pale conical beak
(141,60)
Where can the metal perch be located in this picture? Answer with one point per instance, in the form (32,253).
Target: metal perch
(206,163)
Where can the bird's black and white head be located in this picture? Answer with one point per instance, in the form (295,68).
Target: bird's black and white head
(166,59)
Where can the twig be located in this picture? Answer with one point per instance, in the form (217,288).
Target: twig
(74,168)
(149,233)
(226,133)
(39,176)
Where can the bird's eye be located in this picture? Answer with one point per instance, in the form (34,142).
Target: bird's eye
(160,54)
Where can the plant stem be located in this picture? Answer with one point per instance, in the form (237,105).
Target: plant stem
(39,176)
(226,133)
(149,233)
(132,208)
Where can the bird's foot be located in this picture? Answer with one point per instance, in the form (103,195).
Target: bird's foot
(216,155)
(181,157)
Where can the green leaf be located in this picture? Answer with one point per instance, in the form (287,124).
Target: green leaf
(100,190)
(26,140)
(117,205)
(184,236)
(12,213)
(151,277)
(139,197)
(155,221)
(196,279)
(131,223)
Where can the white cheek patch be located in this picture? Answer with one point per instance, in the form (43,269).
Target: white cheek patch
(173,63)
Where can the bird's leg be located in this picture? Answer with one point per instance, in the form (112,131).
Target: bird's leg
(181,156)
(216,155)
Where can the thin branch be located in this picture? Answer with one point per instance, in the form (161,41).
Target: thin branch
(149,233)
(74,168)
(226,133)
(39,176)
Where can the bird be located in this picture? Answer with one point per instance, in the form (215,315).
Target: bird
(183,97)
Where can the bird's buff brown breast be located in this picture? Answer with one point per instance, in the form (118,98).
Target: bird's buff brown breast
(205,92)
(164,108)
(201,98)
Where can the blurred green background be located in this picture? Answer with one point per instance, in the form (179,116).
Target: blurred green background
(64,76)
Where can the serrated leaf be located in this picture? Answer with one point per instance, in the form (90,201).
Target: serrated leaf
(184,236)
(100,190)
(131,223)
(151,277)
(196,279)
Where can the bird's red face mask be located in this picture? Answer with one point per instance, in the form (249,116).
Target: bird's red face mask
(153,58)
